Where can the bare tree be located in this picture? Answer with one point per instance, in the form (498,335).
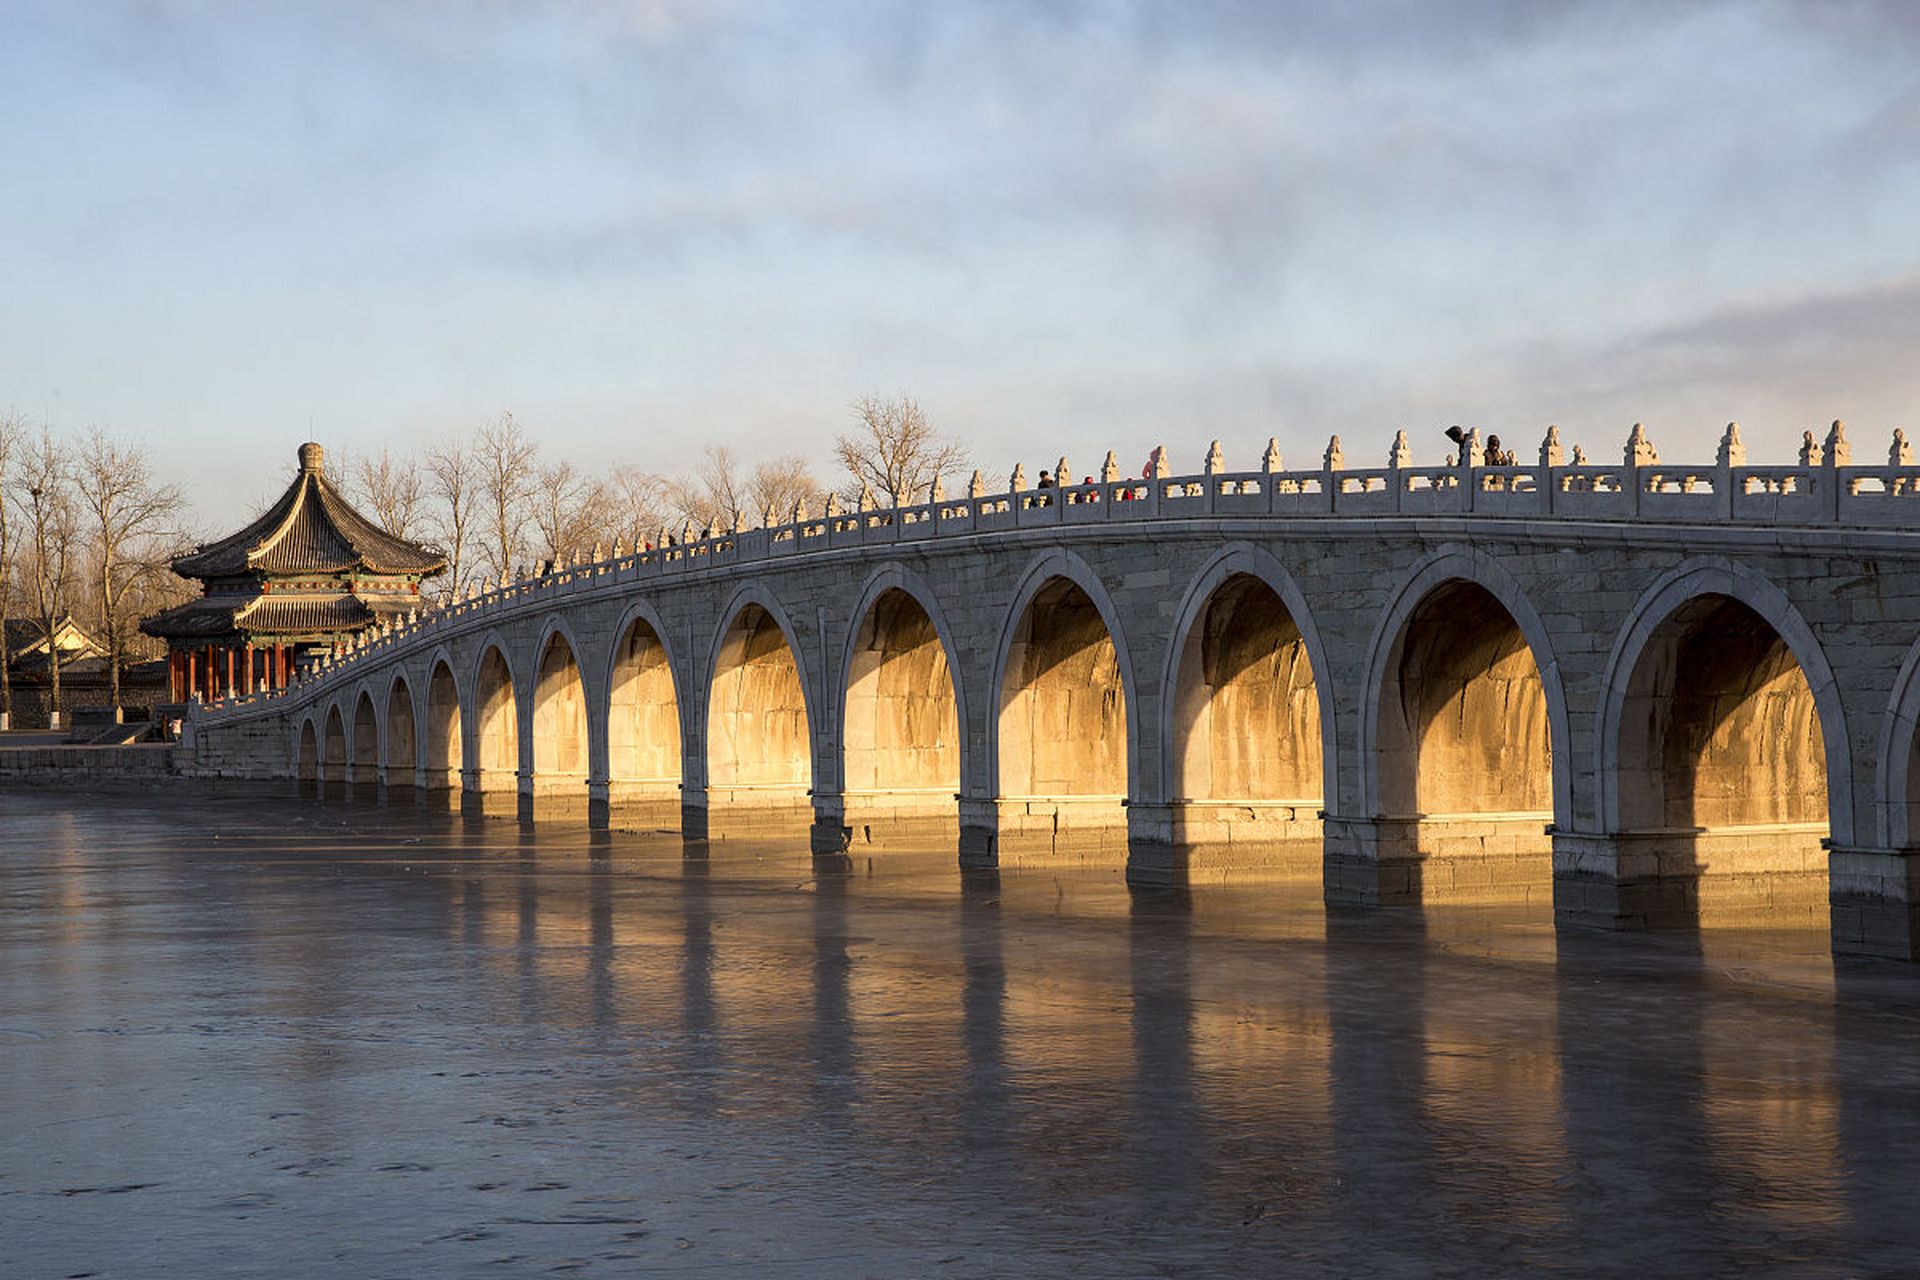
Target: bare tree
(716,494)
(896,451)
(393,490)
(778,484)
(12,432)
(452,485)
(636,501)
(712,496)
(505,460)
(127,513)
(43,491)
(569,509)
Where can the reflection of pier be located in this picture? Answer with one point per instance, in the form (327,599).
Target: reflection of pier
(1346,1088)
(1647,694)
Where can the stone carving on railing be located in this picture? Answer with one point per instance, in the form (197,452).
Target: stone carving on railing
(1823,488)
(1400,453)
(1551,454)
(1732,451)
(1640,451)
(1839,452)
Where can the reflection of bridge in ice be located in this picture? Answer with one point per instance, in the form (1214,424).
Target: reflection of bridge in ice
(1660,693)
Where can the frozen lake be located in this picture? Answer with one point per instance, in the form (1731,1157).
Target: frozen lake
(257,1037)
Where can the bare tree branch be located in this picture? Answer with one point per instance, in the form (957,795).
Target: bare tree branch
(124,507)
(896,451)
(393,489)
(506,464)
(12,432)
(452,486)
(43,494)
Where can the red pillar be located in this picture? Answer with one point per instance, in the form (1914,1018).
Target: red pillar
(246,669)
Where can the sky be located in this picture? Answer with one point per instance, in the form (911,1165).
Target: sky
(643,226)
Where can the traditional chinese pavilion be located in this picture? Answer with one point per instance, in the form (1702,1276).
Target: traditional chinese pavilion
(308,573)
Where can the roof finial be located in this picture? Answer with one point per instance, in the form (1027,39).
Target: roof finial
(312,456)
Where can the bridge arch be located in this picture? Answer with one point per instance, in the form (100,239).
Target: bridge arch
(306,753)
(1063,734)
(495,728)
(560,723)
(402,753)
(333,752)
(643,679)
(901,705)
(1897,786)
(760,709)
(365,741)
(1249,711)
(1463,730)
(1723,744)
(443,749)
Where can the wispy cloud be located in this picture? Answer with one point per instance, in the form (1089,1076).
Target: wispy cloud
(1102,222)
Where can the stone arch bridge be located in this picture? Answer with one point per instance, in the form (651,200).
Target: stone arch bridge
(1660,694)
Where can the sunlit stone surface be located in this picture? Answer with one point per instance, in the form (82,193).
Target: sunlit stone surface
(239,1036)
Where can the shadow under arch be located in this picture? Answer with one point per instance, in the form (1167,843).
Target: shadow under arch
(403,749)
(333,751)
(365,771)
(1722,755)
(645,744)
(306,755)
(1896,796)
(494,770)
(443,746)
(1462,730)
(901,709)
(559,722)
(1247,749)
(760,713)
(1060,654)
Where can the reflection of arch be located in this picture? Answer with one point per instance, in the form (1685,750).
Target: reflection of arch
(333,755)
(1896,792)
(758,704)
(444,751)
(644,745)
(1386,651)
(366,741)
(1666,602)
(402,745)
(559,724)
(1020,653)
(901,706)
(1187,663)
(307,753)
(496,725)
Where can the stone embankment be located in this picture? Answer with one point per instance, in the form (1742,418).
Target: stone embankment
(51,762)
